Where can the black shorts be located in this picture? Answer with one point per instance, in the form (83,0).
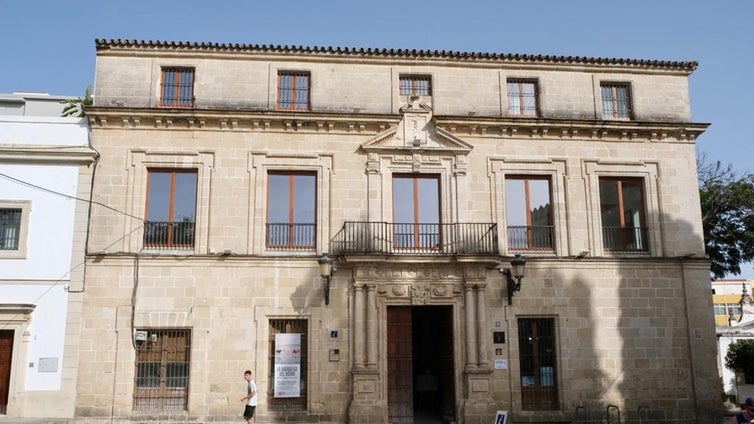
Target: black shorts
(248,412)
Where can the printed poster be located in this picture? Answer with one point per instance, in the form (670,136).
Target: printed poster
(287,365)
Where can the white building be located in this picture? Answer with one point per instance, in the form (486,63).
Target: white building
(45,173)
(738,326)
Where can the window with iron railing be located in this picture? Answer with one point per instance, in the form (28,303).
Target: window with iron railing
(171,209)
(293,91)
(416,212)
(161,379)
(10,228)
(291,381)
(415,85)
(291,211)
(528,207)
(177,87)
(538,363)
(623,215)
(616,101)
(523,98)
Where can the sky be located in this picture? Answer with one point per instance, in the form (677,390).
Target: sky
(48,45)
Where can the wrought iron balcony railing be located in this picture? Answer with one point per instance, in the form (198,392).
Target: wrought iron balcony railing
(531,238)
(169,235)
(625,239)
(383,238)
(291,236)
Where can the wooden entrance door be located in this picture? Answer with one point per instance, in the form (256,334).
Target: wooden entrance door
(400,387)
(6,350)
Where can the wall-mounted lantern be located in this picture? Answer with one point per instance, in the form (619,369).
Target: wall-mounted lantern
(326,269)
(514,276)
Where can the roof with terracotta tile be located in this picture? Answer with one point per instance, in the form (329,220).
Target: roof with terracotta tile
(104,44)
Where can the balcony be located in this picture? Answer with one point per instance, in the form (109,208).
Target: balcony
(168,235)
(431,239)
(535,238)
(291,237)
(625,239)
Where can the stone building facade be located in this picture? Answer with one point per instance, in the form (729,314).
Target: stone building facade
(230,171)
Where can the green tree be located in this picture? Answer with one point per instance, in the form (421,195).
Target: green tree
(740,358)
(77,107)
(727,217)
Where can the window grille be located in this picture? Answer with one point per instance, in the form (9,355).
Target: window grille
(177,87)
(616,101)
(416,85)
(522,97)
(162,370)
(538,357)
(278,326)
(293,91)
(10,228)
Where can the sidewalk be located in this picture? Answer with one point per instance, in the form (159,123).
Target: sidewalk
(6,420)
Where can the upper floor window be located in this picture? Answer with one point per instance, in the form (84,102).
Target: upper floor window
(162,370)
(529,213)
(416,212)
(171,209)
(538,363)
(177,87)
(522,97)
(291,211)
(293,90)
(624,227)
(416,85)
(616,101)
(14,222)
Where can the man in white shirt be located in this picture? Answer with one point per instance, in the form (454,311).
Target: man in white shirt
(250,398)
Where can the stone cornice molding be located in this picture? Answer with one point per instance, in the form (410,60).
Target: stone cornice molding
(47,154)
(224,120)
(566,129)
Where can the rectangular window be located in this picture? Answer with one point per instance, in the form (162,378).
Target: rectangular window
(14,228)
(171,209)
(177,87)
(293,90)
(623,216)
(528,207)
(721,309)
(538,358)
(416,212)
(10,228)
(616,101)
(522,97)
(291,211)
(161,379)
(287,390)
(415,85)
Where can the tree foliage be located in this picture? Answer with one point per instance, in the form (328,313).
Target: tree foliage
(727,217)
(740,357)
(77,107)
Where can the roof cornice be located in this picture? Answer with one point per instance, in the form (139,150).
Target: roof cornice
(685,67)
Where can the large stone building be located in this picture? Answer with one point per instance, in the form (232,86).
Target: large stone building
(232,172)
(45,178)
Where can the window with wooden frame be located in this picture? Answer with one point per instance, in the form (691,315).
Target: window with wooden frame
(415,85)
(177,87)
(161,379)
(291,210)
(616,101)
(538,363)
(523,97)
(623,214)
(287,359)
(416,212)
(528,205)
(14,228)
(170,209)
(294,90)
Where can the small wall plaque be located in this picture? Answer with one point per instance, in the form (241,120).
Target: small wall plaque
(48,365)
(498,337)
(334,355)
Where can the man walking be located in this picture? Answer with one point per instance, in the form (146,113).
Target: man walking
(250,398)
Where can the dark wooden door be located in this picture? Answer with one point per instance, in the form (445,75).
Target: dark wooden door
(400,387)
(6,351)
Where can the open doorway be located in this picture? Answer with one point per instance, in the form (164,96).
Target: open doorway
(421,384)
